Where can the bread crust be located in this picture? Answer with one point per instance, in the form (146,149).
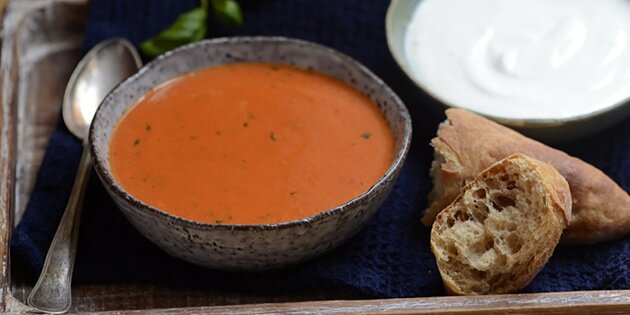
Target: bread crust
(469,143)
(558,190)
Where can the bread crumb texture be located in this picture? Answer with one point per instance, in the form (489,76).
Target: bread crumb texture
(467,143)
(502,228)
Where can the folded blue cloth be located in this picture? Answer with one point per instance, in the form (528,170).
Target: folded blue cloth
(389,258)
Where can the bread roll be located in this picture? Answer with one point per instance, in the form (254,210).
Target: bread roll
(503,227)
(467,143)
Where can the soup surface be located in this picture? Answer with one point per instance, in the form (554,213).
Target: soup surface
(250,143)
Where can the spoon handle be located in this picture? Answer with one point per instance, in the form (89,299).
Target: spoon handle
(52,293)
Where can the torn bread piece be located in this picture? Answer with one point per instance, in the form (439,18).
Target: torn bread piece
(503,227)
(467,143)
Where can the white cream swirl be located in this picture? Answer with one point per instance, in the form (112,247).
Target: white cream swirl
(540,59)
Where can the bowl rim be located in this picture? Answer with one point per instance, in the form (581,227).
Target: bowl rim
(516,122)
(107,178)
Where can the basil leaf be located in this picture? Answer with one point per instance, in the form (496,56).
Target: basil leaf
(189,27)
(228,12)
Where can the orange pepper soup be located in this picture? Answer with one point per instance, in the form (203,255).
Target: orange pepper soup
(250,143)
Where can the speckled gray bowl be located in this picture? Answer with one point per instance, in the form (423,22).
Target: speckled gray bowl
(249,247)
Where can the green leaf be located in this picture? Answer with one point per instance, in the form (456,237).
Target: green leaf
(189,27)
(228,12)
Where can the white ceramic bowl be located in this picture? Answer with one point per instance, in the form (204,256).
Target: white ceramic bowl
(549,130)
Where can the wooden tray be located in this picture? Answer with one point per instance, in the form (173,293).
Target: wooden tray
(40,45)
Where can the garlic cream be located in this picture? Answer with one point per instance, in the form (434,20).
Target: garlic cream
(523,59)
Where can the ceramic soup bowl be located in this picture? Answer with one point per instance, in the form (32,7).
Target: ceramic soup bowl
(399,15)
(249,247)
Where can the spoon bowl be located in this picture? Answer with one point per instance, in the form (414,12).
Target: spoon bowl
(106,65)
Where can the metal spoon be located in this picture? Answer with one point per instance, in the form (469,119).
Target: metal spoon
(102,68)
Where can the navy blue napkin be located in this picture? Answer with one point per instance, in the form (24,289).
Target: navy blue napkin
(389,258)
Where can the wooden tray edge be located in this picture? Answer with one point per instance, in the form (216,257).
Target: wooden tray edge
(575,302)
(7,161)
